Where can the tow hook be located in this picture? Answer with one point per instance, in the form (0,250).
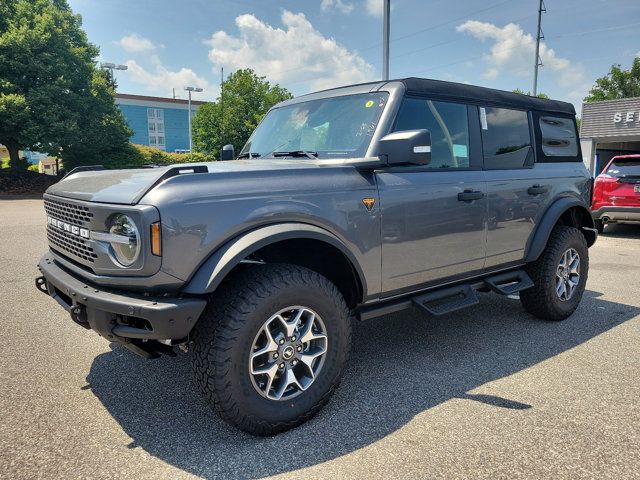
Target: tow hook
(79,315)
(41,284)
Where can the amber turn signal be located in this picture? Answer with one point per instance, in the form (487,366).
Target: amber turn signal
(156,246)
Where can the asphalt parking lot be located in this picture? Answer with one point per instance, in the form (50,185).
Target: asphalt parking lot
(489,392)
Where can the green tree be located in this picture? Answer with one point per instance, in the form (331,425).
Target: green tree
(539,95)
(618,83)
(234,115)
(104,136)
(52,97)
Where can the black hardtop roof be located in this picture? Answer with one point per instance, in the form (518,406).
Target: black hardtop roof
(453,91)
(475,94)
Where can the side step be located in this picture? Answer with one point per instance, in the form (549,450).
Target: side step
(447,300)
(510,282)
(450,299)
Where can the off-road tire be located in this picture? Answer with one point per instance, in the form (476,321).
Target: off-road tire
(541,300)
(225,332)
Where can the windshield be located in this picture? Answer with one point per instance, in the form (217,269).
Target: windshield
(327,128)
(621,167)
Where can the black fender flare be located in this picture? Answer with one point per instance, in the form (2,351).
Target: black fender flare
(224,259)
(538,241)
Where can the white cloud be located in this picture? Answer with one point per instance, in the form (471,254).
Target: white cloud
(339,5)
(513,51)
(134,43)
(159,80)
(296,54)
(491,73)
(375,7)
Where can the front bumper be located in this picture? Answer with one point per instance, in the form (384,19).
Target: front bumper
(617,214)
(123,317)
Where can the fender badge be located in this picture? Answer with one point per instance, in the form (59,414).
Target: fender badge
(369,202)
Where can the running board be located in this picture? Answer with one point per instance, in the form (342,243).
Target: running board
(450,299)
(510,282)
(447,300)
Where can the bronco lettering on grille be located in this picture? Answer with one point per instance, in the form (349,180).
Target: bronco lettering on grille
(67,227)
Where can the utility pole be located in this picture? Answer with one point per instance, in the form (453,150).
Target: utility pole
(191,89)
(222,104)
(539,36)
(385,39)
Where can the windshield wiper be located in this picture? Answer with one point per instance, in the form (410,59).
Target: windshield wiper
(296,153)
(248,155)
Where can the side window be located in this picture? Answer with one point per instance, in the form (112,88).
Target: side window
(506,140)
(558,137)
(448,125)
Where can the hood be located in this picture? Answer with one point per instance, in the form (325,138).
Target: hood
(129,186)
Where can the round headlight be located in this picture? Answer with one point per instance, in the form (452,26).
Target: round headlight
(126,249)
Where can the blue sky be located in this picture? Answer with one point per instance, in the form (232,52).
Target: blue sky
(314,44)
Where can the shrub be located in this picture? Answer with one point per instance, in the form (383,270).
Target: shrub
(14,182)
(136,156)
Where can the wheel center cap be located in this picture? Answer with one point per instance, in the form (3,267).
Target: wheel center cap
(288,352)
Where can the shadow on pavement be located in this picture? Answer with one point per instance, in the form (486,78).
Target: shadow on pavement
(622,230)
(401,365)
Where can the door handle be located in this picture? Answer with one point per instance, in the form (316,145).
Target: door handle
(470,195)
(537,190)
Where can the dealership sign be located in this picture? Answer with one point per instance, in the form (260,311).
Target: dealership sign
(625,117)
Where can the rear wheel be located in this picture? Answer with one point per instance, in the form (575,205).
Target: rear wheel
(271,346)
(559,276)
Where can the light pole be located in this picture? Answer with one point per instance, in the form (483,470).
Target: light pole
(191,89)
(111,67)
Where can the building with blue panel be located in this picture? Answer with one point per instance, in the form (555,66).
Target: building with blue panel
(158,122)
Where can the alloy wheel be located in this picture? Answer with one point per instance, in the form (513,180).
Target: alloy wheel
(288,353)
(568,274)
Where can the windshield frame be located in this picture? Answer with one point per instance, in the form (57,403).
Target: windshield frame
(327,155)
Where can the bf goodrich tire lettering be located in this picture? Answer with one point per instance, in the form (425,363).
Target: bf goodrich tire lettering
(225,342)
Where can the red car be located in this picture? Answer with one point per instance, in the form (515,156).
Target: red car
(616,192)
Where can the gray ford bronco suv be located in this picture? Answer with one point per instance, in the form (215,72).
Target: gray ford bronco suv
(344,204)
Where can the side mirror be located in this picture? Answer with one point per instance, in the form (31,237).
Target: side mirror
(227,153)
(406,147)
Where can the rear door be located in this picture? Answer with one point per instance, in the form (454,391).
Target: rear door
(518,189)
(434,216)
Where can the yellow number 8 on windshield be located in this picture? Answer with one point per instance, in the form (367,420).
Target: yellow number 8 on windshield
(369,104)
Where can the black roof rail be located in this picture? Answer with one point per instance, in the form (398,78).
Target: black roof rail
(85,168)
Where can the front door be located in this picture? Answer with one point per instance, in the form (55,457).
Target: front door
(434,216)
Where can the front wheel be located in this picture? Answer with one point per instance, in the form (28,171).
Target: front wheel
(271,346)
(559,276)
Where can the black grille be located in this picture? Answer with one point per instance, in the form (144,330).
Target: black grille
(70,243)
(68,212)
(63,241)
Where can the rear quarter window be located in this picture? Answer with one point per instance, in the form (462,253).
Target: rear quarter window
(558,136)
